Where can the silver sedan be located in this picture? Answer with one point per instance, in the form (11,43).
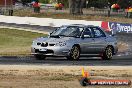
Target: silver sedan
(73,41)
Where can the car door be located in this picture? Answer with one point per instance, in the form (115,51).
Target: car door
(87,42)
(100,40)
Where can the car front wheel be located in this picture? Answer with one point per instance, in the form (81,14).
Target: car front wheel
(74,53)
(108,53)
(39,57)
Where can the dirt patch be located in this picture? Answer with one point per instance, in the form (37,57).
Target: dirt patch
(122,47)
(22,76)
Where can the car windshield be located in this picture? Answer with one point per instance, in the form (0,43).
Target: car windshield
(71,31)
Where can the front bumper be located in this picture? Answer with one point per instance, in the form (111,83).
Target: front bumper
(50,51)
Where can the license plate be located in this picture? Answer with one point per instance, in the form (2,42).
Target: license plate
(42,49)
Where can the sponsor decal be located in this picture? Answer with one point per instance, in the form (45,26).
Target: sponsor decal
(124,27)
(118,27)
(110,82)
(85,80)
(112,25)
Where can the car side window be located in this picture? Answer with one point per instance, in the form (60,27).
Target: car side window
(87,33)
(98,32)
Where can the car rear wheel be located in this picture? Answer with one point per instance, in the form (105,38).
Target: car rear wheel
(108,53)
(74,53)
(39,57)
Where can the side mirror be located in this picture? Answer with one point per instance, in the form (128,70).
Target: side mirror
(85,36)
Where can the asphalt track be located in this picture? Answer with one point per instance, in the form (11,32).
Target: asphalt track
(60,61)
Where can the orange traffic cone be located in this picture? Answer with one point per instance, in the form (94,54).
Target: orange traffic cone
(85,74)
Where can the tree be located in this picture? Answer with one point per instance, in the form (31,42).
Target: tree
(124,3)
(76,6)
(44,1)
(97,3)
(25,1)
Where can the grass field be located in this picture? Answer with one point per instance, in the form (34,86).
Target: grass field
(16,42)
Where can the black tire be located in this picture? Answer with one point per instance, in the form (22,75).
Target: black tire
(108,53)
(74,53)
(84,82)
(39,57)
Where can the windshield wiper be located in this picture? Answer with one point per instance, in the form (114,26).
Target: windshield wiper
(73,36)
(56,36)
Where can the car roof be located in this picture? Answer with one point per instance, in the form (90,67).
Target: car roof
(80,25)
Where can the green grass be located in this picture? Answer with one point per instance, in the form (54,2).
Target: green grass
(16,42)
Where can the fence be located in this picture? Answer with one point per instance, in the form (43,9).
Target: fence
(91,11)
(86,11)
(6,10)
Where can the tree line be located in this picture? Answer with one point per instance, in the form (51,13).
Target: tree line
(87,3)
(76,6)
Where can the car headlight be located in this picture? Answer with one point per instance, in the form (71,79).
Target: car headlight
(34,42)
(61,44)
